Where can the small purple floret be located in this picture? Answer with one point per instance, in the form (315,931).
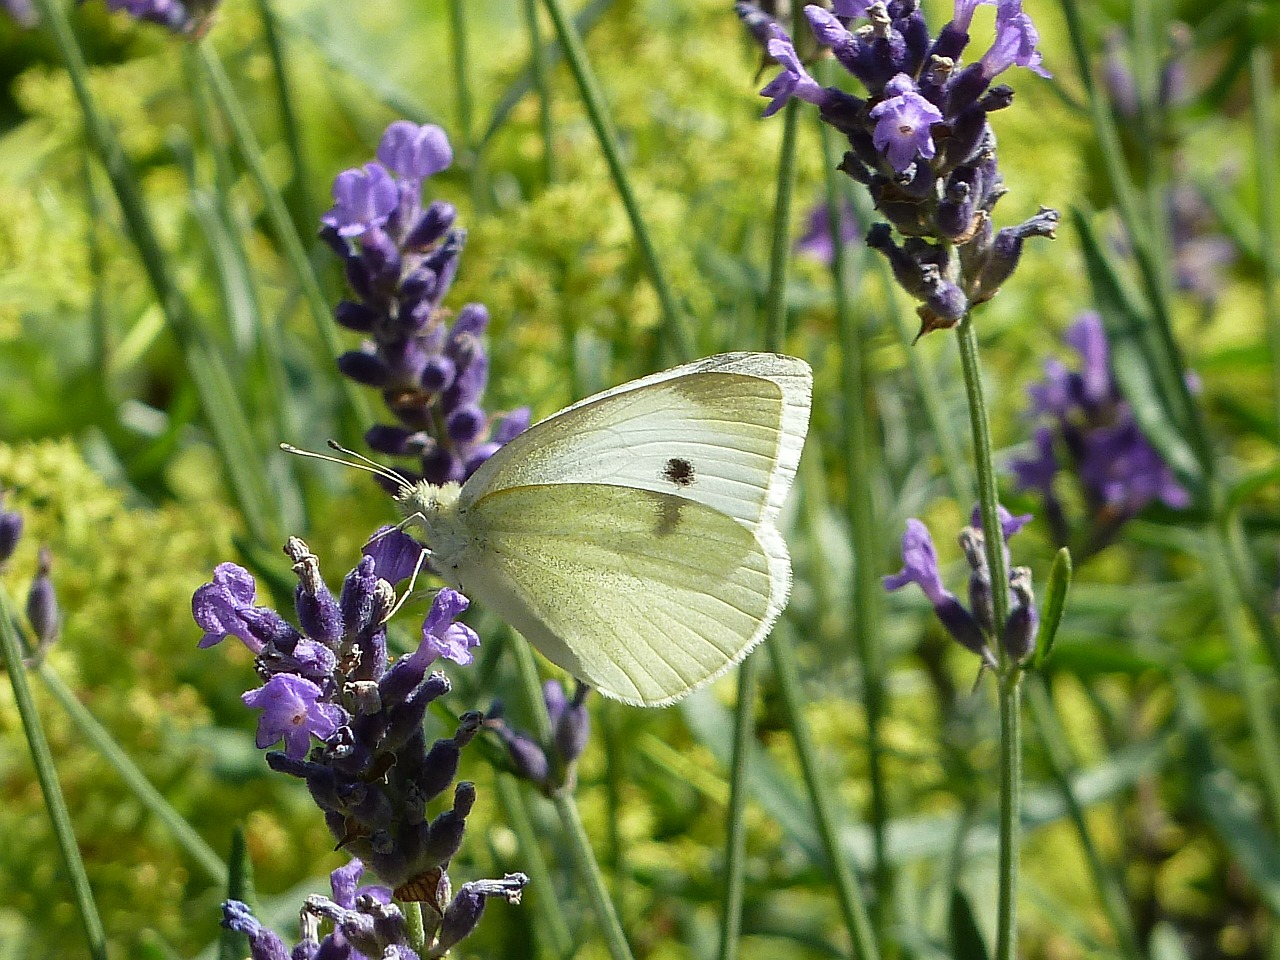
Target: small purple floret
(291,711)
(903,123)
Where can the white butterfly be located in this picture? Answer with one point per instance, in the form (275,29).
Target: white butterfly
(632,537)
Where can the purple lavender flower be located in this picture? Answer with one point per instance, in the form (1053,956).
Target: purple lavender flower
(291,712)
(350,719)
(794,81)
(21,12)
(367,924)
(1086,423)
(921,142)
(817,242)
(400,261)
(972,628)
(903,122)
(191,18)
(549,766)
(1015,43)
(10,531)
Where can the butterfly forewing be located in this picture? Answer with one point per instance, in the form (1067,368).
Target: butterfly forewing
(642,594)
(725,432)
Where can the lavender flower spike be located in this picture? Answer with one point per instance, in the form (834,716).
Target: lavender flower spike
(903,123)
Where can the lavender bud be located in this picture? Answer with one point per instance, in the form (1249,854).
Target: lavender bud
(364,366)
(356,316)
(431,226)
(389,439)
(527,758)
(1006,250)
(318,612)
(438,373)
(465,910)
(42,602)
(1024,619)
(972,543)
(10,532)
(358,598)
(465,424)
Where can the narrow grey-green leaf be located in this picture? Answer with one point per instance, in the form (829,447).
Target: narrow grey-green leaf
(231,945)
(1055,604)
(963,933)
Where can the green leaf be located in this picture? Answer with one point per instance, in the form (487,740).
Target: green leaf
(964,934)
(1055,604)
(232,945)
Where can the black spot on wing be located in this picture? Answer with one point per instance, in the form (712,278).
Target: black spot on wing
(679,471)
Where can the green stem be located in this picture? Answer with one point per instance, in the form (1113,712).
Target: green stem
(848,894)
(151,798)
(1253,689)
(278,215)
(589,873)
(47,774)
(1010,688)
(735,843)
(988,497)
(749,672)
(541,893)
(1009,675)
(1264,136)
(674,329)
(416,931)
(538,68)
(860,508)
(584,859)
(1061,767)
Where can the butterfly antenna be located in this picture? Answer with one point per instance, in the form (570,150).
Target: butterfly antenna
(364,463)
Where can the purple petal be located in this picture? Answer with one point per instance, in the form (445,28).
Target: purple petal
(415,152)
(395,554)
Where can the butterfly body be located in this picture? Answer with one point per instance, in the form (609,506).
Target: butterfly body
(632,537)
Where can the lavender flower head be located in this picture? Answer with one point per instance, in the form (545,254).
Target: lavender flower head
(1084,419)
(351,720)
(367,924)
(817,242)
(192,18)
(400,260)
(920,141)
(973,627)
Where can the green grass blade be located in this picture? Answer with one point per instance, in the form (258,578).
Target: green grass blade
(286,233)
(305,214)
(541,893)
(1111,893)
(735,844)
(373,76)
(674,329)
(1262,89)
(849,896)
(11,647)
(861,509)
(152,799)
(537,80)
(548,55)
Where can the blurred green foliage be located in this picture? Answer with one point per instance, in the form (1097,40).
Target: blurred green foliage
(109,458)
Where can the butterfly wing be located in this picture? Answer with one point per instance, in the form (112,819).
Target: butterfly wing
(725,432)
(644,595)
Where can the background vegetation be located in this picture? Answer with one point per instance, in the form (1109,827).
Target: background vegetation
(139,444)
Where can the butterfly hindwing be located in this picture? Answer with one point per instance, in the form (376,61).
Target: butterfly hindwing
(642,594)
